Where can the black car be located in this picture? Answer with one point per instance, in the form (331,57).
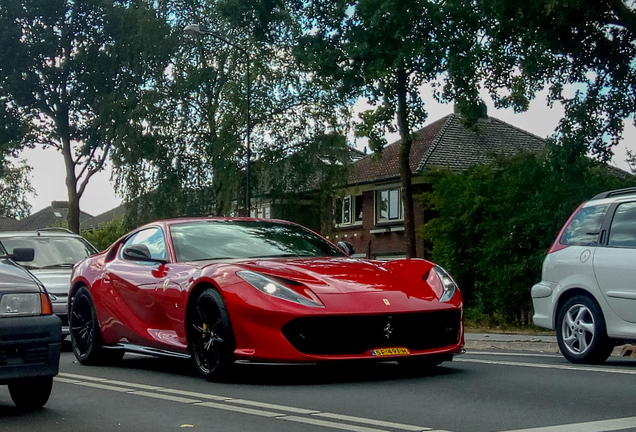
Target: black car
(30,334)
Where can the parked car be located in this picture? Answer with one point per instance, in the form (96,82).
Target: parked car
(588,287)
(30,335)
(56,252)
(222,290)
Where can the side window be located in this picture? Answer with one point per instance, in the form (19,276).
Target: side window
(389,205)
(153,239)
(585,226)
(348,210)
(623,228)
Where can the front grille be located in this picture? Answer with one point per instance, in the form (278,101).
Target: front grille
(355,334)
(24,354)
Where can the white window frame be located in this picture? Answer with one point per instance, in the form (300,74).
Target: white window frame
(395,208)
(347,206)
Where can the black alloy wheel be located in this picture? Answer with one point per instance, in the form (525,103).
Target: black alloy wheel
(211,338)
(86,338)
(31,393)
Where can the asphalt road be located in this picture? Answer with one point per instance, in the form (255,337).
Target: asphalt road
(479,391)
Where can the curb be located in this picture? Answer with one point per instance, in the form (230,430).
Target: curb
(538,344)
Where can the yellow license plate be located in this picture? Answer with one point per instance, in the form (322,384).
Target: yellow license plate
(390,351)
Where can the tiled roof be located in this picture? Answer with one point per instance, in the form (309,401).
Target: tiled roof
(53,215)
(447,143)
(8,224)
(119,211)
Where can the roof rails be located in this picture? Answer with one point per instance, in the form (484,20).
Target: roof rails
(616,192)
(66,230)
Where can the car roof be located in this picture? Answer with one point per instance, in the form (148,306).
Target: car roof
(616,193)
(58,232)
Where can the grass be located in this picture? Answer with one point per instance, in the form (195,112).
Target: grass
(477,322)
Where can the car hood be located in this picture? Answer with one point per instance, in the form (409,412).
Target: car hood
(56,281)
(348,275)
(15,278)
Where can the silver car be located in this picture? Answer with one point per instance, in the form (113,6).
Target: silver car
(588,287)
(56,252)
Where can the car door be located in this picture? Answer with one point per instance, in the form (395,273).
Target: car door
(615,262)
(133,283)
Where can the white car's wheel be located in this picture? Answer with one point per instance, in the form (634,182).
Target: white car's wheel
(581,331)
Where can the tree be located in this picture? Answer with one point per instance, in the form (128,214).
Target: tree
(495,222)
(79,73)
(383,51)
(14,180)
(194,159)
(584,52)
(14,187)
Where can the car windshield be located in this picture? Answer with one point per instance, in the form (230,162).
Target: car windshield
(208,240)
(50,252)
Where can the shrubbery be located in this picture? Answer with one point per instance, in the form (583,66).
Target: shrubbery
(106,233)
(495,222)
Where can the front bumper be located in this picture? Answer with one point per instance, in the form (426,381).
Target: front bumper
(275,336)
(29,347)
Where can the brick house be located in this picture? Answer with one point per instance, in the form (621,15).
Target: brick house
(369,212)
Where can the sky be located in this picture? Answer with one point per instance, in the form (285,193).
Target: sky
(48,174)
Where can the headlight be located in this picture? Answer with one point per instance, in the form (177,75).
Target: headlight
(275,289)
(24,304)
(442,283)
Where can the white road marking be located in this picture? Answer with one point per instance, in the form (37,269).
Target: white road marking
(176,395)
(373,422)
(160,393)
(80,377)
(550,366)
(66,380)
(105,387)
(165,397)
(511,354)
(129,384)
(243,410)
(594,426)
(271,406)
(193,394)
(333,425)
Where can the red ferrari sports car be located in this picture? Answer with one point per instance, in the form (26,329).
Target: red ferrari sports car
(227,290)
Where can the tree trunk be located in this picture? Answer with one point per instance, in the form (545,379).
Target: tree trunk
(405,167)
(73,218)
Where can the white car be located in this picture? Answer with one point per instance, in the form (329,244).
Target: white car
(588,287)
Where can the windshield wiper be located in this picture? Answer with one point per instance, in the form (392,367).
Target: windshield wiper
(60,265)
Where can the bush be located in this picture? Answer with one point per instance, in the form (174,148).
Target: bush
(106,233)
(495,222)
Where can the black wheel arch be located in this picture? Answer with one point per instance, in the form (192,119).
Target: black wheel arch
(195,292)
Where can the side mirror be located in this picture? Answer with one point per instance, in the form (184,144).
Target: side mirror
(139,252)
(346,247)
(23,254)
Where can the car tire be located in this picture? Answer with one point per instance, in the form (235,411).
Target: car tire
(86,338)
(581,331)
(210,336)
(31,393)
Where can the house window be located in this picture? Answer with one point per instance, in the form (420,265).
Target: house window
(389,205)
(348,210)
(261,212)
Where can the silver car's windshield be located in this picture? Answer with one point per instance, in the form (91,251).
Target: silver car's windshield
(50,252)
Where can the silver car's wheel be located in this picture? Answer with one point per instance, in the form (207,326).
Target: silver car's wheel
(578,329)
(581,331)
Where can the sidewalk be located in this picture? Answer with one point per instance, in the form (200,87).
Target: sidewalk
(522,342)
